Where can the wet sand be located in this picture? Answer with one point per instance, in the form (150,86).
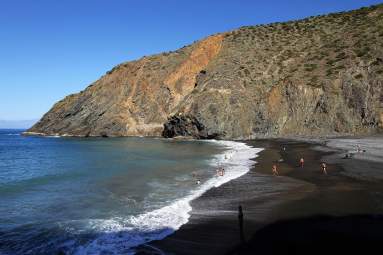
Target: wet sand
(297,193)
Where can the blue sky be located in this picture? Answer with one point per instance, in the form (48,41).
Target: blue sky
(49,49)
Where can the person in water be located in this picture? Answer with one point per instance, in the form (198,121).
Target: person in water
(302,162)
(198,182)
(221,172)
(324,167)
(274,170)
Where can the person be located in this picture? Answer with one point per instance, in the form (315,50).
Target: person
(274,170)
(324,167)
(302,162)
(220,171)
(240,221)
(358,148)
(198,182)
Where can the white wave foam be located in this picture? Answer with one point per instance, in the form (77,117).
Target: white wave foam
(53,136)
(121,234)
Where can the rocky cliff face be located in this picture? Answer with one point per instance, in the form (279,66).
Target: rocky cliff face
(317,76)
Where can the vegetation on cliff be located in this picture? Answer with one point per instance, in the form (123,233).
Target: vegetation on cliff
(317,76)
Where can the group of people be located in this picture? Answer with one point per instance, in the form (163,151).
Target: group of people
(350,154)
(323,166)
(274,168)
(220,172)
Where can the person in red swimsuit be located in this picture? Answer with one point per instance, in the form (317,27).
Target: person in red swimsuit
(302,162)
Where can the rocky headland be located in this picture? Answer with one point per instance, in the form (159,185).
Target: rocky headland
(320,76)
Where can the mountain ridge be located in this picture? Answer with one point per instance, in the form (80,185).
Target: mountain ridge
(316,76)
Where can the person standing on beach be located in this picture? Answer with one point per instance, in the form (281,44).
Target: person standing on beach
(324,167)
(274,170)
(302,162)
(240,221)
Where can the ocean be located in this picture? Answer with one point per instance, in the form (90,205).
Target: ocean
(104,195)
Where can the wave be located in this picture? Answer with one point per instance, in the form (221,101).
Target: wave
(120,235)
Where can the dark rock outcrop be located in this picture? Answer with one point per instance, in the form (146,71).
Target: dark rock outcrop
(318,76)
(188,126)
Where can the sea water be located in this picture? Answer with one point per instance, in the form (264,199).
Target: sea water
(104,196)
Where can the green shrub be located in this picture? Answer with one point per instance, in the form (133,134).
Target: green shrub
(341,55)
(310,67)
(362,52)
(331,62)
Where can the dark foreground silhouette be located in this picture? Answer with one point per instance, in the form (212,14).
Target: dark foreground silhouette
(357,234)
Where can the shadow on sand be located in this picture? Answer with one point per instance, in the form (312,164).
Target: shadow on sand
(356,234)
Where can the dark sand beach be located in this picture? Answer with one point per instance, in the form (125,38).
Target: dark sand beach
(281,209)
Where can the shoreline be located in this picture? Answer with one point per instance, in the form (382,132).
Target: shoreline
(236,159)
(215,212)
(183,206)
(213,226)
(121,233)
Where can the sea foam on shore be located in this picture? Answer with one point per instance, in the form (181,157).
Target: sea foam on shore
(120,235)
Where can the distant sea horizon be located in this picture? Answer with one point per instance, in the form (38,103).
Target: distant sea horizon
(17,124)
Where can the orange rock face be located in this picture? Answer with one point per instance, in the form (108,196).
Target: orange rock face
(134,98)
(317,76)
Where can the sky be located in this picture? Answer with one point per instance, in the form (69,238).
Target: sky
(50,49)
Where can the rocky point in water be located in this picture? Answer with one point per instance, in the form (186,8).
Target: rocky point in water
(317,76)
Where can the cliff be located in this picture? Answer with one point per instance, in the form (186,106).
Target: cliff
(318,76)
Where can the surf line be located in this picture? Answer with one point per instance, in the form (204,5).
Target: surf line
(157,224)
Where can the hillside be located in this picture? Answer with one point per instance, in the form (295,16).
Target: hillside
(318,76)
